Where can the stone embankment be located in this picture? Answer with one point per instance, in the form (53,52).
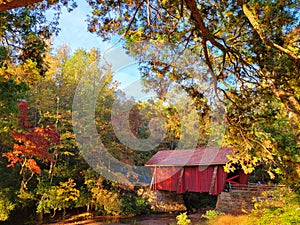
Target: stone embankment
(236,202)
(163,201)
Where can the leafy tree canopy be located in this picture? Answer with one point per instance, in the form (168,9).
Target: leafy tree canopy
(25,33)
(251,49)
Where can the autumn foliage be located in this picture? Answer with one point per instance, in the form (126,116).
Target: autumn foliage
(31,144)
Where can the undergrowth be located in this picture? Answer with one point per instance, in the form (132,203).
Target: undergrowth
(279,207)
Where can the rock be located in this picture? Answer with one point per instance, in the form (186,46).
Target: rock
(163,201)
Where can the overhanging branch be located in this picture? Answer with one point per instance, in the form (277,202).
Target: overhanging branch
(192,6)
(262,35)
(11,4)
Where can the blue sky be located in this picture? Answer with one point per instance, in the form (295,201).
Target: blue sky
(74,30)
(74,33)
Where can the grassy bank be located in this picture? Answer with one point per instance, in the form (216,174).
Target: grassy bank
(280,207)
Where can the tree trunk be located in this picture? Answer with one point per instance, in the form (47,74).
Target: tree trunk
(40,217)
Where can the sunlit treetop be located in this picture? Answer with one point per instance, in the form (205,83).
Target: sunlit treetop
(25,32)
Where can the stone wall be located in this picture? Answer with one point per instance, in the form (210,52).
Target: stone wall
(236,202)
(163,201)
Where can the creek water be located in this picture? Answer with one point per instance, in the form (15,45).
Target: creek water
(153,219)
(157,219)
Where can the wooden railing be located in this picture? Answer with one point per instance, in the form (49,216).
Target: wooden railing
(252,187)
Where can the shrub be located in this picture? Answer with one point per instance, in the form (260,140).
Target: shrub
(107,202)
(212,214)
(59,197)
(182,219)
(279,207)
(134,205)
(6,205)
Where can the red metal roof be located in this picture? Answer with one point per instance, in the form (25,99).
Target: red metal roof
(190,157)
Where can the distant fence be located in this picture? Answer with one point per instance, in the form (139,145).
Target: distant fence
(253,187)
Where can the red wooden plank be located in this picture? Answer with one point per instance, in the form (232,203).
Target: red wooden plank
(193,179)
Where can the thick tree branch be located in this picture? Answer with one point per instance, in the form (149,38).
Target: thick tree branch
(11,4)
(192,6)
(290,101)
(262,35)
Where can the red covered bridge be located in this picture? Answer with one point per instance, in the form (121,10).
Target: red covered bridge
(193,170)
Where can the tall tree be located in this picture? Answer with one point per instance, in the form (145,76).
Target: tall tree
(224,34)
(25,34)
(32,144)
(251,49)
